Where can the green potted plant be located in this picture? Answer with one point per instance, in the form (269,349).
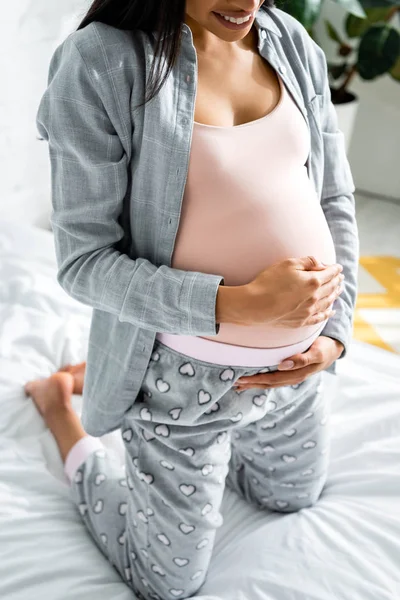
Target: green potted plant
(370,47)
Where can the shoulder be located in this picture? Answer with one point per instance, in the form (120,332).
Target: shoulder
(99,64)
(102,48)
(98,36)
(96,67)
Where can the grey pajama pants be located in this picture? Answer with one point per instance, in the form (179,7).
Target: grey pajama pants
(186,435)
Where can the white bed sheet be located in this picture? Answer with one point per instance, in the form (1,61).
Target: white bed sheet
(346,547)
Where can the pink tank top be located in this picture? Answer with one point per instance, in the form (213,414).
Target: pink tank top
(249,203)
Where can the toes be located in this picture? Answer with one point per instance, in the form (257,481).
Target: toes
(73,368)
(29,387)
(67,368)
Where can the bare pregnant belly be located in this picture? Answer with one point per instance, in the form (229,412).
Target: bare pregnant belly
(241,242)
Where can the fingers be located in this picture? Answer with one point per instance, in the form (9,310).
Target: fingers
(281,378)
(320,317)
(309,263)
(324,310)
(326,302)
(321,300)
(316,279)
(327,289)
(324,272)
(321,309)
(303,359)
(328,274)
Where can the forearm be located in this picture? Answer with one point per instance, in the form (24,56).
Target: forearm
(90,164)
(155,298)
(230,304)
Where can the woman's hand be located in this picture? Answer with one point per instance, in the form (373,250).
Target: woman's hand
(296,292)
(321,354)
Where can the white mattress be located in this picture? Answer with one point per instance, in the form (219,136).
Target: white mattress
(346,547)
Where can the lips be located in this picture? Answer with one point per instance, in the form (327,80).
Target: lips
(236,15)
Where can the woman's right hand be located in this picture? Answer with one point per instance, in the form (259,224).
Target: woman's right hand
(295,292)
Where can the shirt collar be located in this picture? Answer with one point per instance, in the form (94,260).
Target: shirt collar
(262,20)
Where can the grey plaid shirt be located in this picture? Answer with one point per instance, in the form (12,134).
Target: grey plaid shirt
(117,181)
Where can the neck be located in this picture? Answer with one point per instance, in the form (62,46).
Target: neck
(208,44)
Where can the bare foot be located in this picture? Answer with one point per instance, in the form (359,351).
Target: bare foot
(78,372)
(51,394)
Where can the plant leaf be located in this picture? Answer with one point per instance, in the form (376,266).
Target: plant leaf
(332,32)
(355,27)
(353,7)
(378,13)
(379,3)
(305,11)
(378,51)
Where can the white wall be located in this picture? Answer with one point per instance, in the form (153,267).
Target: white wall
(29,33)
(375,145)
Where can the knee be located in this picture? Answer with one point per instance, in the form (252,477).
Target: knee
(194,587)
(156,589)
(188,591)
(305,498)
(295,505)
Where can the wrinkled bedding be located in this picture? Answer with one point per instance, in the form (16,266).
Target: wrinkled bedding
(346,547)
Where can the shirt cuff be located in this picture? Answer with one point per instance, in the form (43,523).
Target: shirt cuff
(198,303)
(79,453)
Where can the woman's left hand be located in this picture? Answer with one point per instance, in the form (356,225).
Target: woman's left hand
(321,354)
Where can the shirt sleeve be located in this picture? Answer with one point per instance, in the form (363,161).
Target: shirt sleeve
(89,180)
(339,208)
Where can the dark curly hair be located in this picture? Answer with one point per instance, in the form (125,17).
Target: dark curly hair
(165,17)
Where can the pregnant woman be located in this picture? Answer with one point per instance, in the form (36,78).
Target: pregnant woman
(212,230)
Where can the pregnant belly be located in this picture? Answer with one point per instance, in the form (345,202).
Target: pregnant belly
(240,246)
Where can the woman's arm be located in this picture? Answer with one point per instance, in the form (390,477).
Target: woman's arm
(339,208)
(89,180)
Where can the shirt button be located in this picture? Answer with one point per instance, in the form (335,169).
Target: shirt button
(263,34)
(184,121)
(282,69)
(188,78)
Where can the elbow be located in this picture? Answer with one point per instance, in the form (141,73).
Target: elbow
(68,277)
(78,290)
(84,277)
(63,279)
